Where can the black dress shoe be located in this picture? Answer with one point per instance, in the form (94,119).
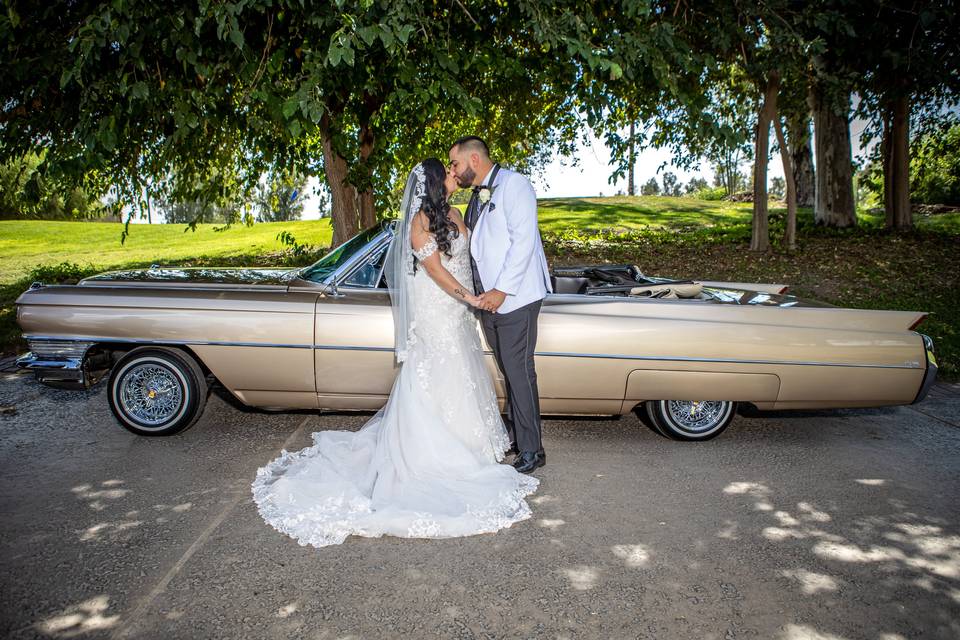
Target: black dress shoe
(528,461)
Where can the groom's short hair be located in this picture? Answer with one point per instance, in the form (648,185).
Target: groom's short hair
(472,143)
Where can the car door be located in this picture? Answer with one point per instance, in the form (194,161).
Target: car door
(353,338)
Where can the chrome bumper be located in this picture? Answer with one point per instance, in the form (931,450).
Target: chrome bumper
(66,371)
(61,362)
(930,375)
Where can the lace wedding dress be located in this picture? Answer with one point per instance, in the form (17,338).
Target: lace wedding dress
(426,465)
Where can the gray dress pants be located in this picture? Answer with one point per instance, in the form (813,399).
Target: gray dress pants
(513,338)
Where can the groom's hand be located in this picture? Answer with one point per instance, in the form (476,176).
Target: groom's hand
(491,300)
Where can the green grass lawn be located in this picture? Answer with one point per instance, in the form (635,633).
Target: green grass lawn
(630,213)
(638,213)
(27,244)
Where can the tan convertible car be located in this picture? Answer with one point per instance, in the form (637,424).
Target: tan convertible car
(611,341)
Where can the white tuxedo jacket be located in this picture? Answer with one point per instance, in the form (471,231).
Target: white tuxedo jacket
(506,243)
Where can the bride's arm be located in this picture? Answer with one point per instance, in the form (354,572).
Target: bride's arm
(425,248)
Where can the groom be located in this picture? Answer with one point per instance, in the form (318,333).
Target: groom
(511,277)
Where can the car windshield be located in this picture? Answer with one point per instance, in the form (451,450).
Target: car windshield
(329,263)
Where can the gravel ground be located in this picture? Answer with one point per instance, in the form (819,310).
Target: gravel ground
(819,525)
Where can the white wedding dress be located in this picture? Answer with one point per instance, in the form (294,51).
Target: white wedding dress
(426,465)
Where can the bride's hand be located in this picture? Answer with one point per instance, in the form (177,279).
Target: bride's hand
(473,301)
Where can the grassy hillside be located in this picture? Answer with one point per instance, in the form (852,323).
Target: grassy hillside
(27,244)
(631,213)
(646,213)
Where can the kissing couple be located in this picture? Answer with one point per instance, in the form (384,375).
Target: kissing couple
(429,463)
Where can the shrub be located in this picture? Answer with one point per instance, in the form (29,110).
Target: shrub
(711,193)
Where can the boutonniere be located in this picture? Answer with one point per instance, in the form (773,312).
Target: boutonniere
(485,194)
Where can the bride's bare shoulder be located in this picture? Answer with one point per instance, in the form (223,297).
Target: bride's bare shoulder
(420,223)
(420,230)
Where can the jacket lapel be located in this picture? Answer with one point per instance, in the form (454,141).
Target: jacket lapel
(491,184)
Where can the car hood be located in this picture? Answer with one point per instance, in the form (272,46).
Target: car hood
(165,276)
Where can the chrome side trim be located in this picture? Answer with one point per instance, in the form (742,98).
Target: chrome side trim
(149,341)
(560,354)
(165,286)
(217,343)
(545,354)
(333,347)
(613,356)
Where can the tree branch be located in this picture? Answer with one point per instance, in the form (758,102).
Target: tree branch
(467,12)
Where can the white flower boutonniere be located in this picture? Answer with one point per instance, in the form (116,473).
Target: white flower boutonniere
(485,194)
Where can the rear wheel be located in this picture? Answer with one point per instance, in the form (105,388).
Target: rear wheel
(157,391)
(690,420)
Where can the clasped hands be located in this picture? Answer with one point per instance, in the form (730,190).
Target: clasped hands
(488,300)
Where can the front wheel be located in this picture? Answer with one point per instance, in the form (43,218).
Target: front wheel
(691,420)
(157,391)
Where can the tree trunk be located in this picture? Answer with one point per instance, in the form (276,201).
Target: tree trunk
(834,205)
(631,191)
(900,164)
(760,237)
(343,196)
(368,213)
(790,232)
(886,156)
(801,158)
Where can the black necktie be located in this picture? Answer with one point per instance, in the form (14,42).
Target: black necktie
(472,208)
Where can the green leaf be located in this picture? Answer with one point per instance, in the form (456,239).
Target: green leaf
(386,36)
(368,34)
(314,111)
(616,71)
(109,139)
(140,90)
(404,32)
(334,54)
(236,36)
(290,107)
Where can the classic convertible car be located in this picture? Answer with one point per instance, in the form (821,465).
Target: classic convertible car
(611,340)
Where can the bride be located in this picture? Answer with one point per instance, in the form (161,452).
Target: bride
(426,465)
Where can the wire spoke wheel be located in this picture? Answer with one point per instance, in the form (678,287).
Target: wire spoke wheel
(696,416)
(690,419)
(157,391)
(151,394)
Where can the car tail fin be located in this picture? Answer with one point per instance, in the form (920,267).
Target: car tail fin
(920,317)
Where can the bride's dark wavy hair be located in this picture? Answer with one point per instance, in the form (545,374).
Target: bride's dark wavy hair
(435,205)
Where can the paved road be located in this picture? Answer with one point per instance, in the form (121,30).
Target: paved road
(791,526)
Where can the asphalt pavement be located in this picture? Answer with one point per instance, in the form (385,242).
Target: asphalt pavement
(818,525)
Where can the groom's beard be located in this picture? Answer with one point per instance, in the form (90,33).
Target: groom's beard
(465,179)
